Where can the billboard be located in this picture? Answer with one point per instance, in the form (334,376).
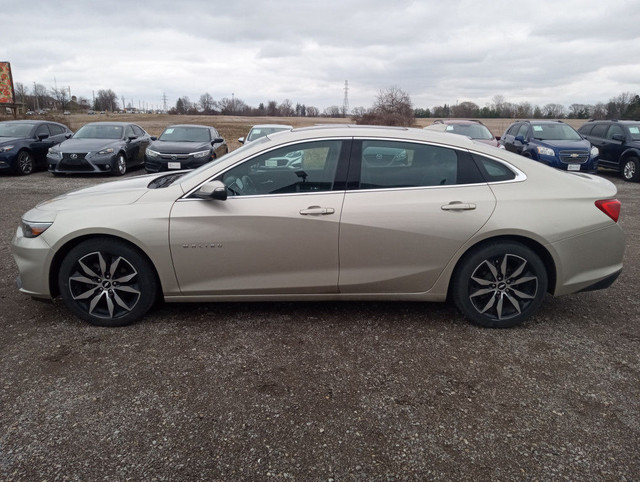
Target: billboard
(6,84)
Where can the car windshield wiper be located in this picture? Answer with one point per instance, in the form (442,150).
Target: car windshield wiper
(165,181)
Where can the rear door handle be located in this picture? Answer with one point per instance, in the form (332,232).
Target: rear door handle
(317,211)
(458,206)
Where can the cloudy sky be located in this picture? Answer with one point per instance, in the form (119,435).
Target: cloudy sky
(445,51)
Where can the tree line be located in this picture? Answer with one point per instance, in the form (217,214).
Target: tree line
(393,106)
(623,106)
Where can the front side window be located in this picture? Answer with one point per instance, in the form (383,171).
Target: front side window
(614,129)
(299,168)
(42,130)
(522,131)
(392,164)
(599,130)
(56,130)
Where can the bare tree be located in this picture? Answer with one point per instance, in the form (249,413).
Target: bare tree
(207,104)
(313,111)
(285,109)
(61,95)
(553,111)
(393,107)
(106,99)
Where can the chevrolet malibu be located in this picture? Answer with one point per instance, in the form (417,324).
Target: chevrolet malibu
(368,213)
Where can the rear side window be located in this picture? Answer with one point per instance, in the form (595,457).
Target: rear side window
(493,171)
(392,164)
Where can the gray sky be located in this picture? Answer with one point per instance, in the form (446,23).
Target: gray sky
(444,51)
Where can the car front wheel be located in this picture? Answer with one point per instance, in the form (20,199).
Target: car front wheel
(500,285)
(630,169)
(120,165)
(107,282)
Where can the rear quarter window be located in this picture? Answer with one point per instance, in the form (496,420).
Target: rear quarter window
(493,171)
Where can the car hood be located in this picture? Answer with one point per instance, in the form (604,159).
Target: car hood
(113,193)
(87,145)
(167,147)
(9,140)
(564,144)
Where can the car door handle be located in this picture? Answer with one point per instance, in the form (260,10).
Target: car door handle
(458,206)
(317,211)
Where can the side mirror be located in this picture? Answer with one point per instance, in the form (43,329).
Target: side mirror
(241,140)
(212,190)
(68,135)
(218,140)
(131,138)
(520,139)
(42,137)
(619,137)
(154,138)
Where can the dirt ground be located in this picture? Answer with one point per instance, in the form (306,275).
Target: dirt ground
(318,391)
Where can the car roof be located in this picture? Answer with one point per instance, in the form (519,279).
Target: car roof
(107,123)
(189,125)
(27,121)
(262,126)
(458,121)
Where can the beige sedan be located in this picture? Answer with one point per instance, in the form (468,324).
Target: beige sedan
(329,213)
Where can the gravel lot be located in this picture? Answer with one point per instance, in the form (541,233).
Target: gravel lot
(318,391)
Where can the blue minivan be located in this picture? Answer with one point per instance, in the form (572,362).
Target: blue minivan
(554,143)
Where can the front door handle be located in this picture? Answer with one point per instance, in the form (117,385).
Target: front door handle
(458,206)
(317,211)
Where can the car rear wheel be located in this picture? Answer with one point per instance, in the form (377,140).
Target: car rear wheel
(499,285)
(107,282)
(631,169)
(120,165)
(24,163)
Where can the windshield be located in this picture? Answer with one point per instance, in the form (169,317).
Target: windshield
(15,130)
(555,132)
(99,131)
(634,131)
(258,132)
(475,131)
(185,134)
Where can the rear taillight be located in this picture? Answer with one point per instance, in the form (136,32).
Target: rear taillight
(611,207)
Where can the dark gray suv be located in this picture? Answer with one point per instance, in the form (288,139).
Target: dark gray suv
(618,143)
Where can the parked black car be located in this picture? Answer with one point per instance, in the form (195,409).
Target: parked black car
(184,147)
(553,143)
(619,145)
(100,147)
(24,144)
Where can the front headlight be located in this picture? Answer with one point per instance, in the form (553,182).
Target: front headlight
(594,151)
(546,151)
(200,154)
(32,229)
(151,153)
(55,153)
(6,148)
(108,150)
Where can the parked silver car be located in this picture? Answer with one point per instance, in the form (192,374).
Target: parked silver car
(261,130)
(368,213)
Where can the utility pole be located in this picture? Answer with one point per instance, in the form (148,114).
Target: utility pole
(164,102)
(345,103)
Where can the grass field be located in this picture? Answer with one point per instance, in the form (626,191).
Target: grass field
(233,127)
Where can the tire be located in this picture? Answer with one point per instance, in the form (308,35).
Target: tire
(483,284)
(107,282)
(120,165)
(25,163)
(631,169)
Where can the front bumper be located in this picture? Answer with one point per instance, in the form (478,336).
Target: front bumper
(33,257)
(81,165)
